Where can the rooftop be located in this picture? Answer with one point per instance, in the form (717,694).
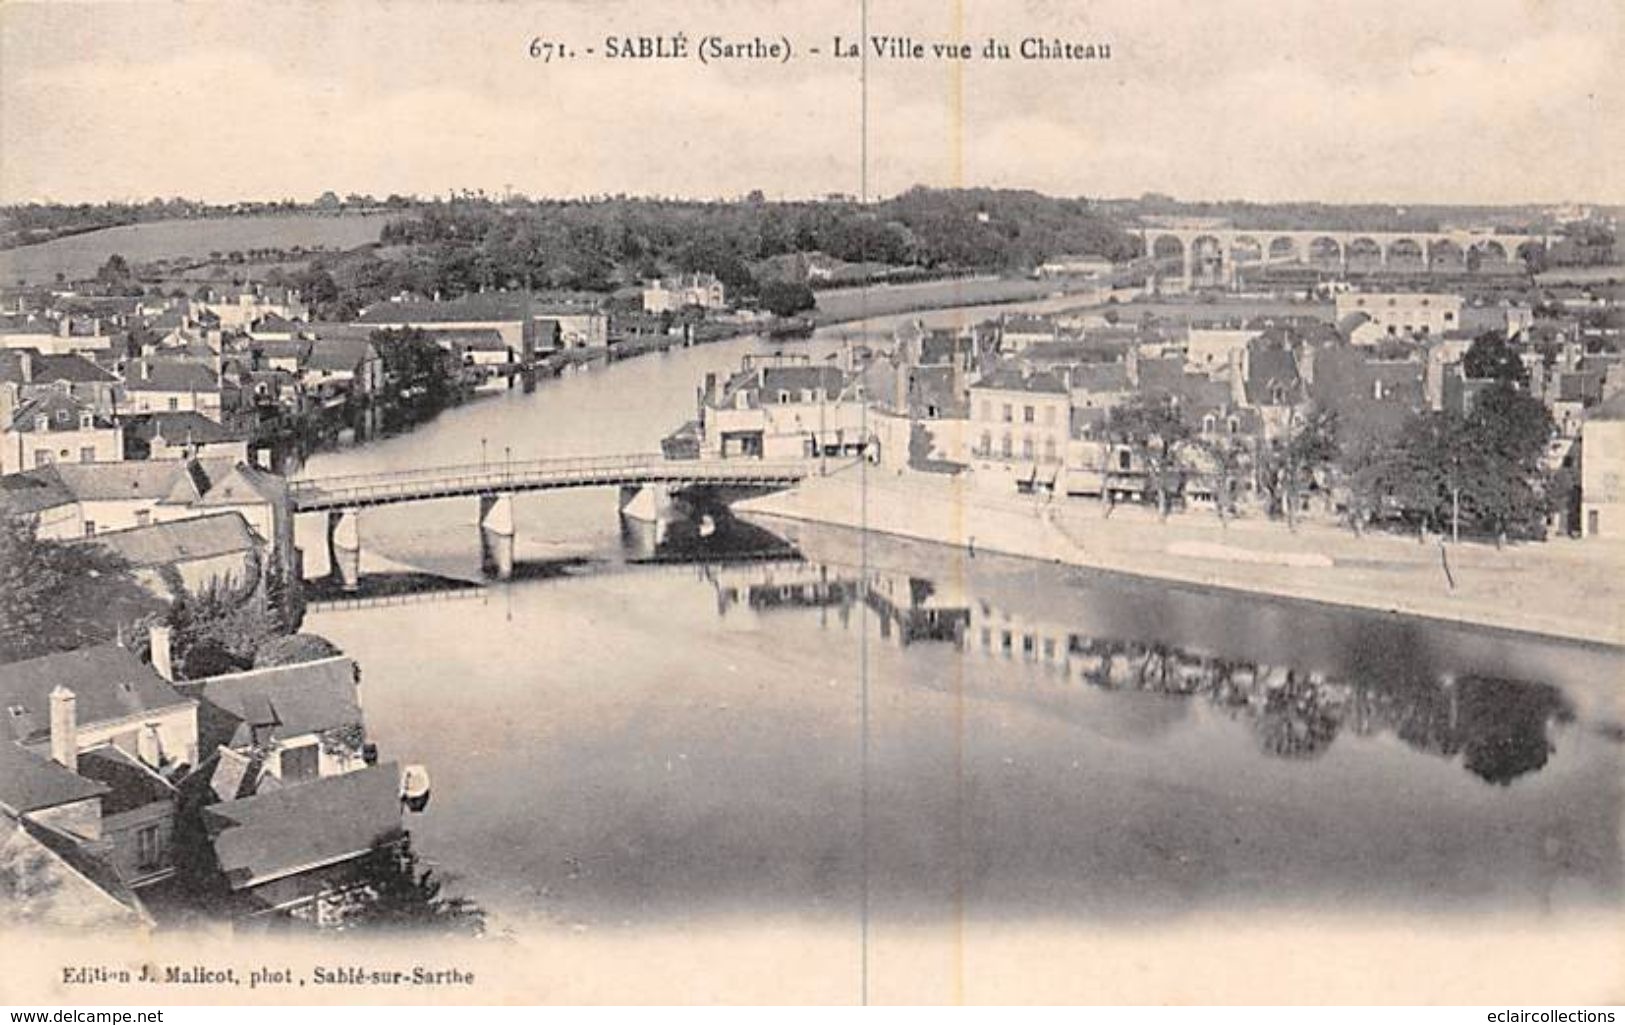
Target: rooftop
(165,544)
(299,828)
(31,782)
(278,702)
(108,681)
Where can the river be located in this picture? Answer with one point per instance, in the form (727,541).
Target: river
(883,728)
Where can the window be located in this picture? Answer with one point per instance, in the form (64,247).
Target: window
(1008,415)
(987,444)
(146,848)
(1004,447)
(174,404)
(1049,450)
(1027,448)
(1123,459)
(1027,414)
(1208,424)
(42,457)
(42,423)
(1234,425)
(299,763)
(86,421)
(64,417)
(143,517)
(87,453)
(784,398)
(90,528)
(1449,316)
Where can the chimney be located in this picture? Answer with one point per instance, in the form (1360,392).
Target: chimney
(149,747)
(162,662)
(146,370)
(64,728)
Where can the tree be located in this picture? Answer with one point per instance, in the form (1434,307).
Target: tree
(57,596)
(390,890)
(787,298)
(1481,473)
(1492,357)
(218,630)
(1153,428)
(293,649)
(1289,465)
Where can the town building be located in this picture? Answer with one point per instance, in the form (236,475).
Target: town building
(154,385)
(669,295)
(1397,314)
(1602,471)
(53,427)
(783,408)
(1020,427)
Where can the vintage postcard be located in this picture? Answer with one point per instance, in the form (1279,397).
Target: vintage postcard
(818,502)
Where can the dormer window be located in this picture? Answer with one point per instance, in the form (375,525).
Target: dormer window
(86,421)
(42,422)
(63,417)
(784,398)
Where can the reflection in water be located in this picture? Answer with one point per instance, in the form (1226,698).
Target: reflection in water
(1499,727)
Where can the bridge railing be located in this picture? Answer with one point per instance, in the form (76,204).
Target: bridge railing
(497,476)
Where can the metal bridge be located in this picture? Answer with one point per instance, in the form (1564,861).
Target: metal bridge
(507,478)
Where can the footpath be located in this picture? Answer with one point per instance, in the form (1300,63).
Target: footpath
(1563,588)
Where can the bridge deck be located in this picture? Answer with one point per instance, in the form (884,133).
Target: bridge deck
(360,490)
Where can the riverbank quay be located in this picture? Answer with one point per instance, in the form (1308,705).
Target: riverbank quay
(1572,590)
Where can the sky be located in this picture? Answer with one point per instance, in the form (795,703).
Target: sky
(1450,101)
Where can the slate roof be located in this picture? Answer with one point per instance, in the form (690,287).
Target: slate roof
(1009,378)
(108,681)
(130,784)
(278,702)
(49,368)
(298,828)
(179,427)
(31,782)
(167,375)
(339,353)
(1100,377)
(175,541)
(34,491)
(484,307)
(66,885)
(60,410)
(485,339)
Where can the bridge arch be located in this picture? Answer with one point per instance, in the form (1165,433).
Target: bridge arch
(1165,248)
(1364,253)
(1490,255)
(1207,259)
(1446,254)
(1406,252)
(1246,249)
(1283,247)
(1324,250)
(1531,253)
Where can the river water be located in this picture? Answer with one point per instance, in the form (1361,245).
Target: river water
(865,726)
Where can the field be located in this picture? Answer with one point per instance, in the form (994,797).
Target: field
(78,256)
(836,305)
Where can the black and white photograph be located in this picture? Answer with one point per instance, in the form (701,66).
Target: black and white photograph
(832,502)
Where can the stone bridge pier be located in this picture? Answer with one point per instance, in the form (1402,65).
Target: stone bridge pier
(344,546)
(496,535)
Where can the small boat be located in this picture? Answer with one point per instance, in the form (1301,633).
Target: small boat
(415,787)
